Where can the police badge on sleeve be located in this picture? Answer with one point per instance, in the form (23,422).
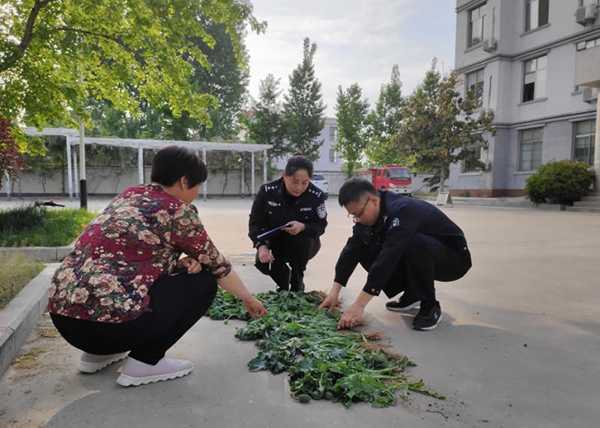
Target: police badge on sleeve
(394,223)
(321,211)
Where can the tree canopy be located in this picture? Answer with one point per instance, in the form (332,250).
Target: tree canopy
(351,115)
(56,54)
(303,106)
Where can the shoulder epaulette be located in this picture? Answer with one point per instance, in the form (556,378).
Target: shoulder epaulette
(270,187)
(315,192)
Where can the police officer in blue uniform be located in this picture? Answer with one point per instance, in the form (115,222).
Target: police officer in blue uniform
(405,245)
(295,202)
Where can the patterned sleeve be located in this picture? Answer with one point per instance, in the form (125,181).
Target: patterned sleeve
(189,235)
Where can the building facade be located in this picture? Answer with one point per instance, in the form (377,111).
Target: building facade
(524,59)
(329,164)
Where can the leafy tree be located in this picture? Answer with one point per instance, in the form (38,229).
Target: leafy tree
(384,123)
(11,160)
(351,115)
(303,107)
(265,121)
(53,160)
(441,127)
(225,78)
(55,55)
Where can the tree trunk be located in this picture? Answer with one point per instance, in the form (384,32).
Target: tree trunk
(442,180)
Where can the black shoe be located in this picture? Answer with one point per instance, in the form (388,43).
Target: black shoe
(428,317)
(403,303)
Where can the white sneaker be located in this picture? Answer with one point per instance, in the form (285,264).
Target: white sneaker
(135,373)
(91,363)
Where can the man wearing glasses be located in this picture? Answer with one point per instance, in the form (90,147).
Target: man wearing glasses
(405,245)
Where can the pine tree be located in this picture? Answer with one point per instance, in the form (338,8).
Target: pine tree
(265,121)
(303,107)
(384,123)
(351,115)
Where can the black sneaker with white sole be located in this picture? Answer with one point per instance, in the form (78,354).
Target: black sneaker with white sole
(403,303)
(428,317)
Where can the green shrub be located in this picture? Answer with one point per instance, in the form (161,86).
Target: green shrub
(40,227)
(17,220)
(562,182)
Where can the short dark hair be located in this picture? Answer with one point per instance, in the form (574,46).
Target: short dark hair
(296,163)
(354,189)
(173,162)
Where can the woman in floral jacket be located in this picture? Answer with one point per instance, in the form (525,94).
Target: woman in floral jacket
(126,287)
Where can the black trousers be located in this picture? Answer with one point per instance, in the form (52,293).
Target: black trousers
(425,261)
(296,250)
(176,303)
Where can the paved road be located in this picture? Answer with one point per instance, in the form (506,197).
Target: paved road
(518,346)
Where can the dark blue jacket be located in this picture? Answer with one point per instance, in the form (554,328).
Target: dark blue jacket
(400,218)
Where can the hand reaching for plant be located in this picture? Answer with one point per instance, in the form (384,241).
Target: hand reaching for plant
(352,317)
(333,298)
(254,307)
(330,302)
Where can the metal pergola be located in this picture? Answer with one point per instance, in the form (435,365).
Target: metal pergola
(73,138)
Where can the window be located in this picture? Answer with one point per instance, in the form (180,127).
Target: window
(332,134)
(475,83)
(534,81)
(530,149)
(585,134)
(476,26)
(588,44)
(471,164)
(536,13)
(398,173)
(333,157)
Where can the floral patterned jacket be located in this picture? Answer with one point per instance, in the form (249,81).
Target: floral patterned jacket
(139,237)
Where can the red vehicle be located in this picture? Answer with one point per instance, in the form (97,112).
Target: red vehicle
(394,178)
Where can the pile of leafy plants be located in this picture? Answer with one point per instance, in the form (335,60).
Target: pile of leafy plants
(322,362)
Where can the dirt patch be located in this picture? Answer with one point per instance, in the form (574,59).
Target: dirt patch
(29,360)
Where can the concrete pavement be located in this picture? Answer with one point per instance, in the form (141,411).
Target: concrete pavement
(518,346)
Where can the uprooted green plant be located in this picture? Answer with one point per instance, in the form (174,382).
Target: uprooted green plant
(322,362)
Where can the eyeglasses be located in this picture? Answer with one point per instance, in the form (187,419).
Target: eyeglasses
(356,217)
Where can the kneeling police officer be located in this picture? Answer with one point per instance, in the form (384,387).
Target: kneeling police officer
(293,202)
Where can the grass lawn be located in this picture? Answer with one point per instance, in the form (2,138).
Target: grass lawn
(41,227)
(15,272)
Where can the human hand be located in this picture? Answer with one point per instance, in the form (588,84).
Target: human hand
(331,301)
(255,307)
(191,264)
(294,227)
(265,255)
(352,317)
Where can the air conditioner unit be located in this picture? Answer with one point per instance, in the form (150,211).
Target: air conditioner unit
(580,15)
(589,95)
(591,13)
(490,45)
(586,15)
